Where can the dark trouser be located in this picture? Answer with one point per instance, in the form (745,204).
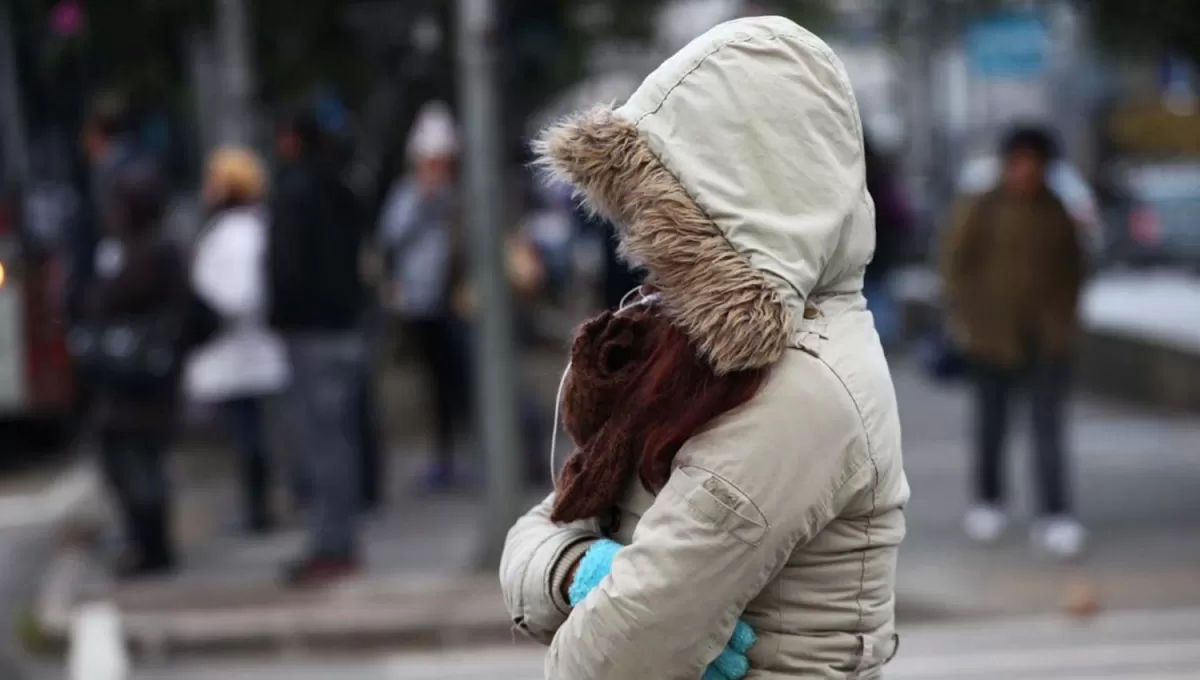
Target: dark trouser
(1047,380)
(244,420)
(367,414)
(134,465)
(368,439)
(447,373)
(326,370)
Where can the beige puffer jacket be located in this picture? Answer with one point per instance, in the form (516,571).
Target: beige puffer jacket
(735,174)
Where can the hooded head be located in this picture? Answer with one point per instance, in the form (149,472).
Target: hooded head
(735,176)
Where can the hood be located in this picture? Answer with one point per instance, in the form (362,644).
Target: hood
(735,176)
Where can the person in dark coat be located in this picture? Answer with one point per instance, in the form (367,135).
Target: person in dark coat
(140,275)
(317,303)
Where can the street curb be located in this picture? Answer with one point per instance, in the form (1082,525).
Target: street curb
(1109,363)
(423,613)
(419,613)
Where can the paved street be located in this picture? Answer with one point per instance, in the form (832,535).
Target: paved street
(1130,646)
(23,552)
(1136,471)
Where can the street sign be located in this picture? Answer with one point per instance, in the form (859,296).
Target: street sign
(1009,46)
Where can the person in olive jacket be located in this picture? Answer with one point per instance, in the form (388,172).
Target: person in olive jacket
(1013,267)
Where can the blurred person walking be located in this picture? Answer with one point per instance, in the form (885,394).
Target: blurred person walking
(735,503)
(892,226)
(245,362)
(1013,267)
(317,299)
(108,146)
(133,311)
(419,233)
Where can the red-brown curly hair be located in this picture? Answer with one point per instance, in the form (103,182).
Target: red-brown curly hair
(636,392)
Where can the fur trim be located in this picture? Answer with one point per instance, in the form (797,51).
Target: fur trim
(729,309)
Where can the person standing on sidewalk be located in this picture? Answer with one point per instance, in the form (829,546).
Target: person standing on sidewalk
(317,299)
(418,232)
(108,147)
(1013,267)
(245,363)
(140,288)
(738,468)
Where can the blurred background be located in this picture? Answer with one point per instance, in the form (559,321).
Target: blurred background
(460,318)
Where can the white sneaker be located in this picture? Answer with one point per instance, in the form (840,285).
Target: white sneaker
(985,523)
(1061,537)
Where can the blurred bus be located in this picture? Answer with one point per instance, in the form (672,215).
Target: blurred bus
(35,375)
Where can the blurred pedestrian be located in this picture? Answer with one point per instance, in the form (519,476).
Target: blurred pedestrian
(317,301)
(892,226)
(419,233)
(133,307)
(1013,268)
(108,146)
(245,362)
(737,471)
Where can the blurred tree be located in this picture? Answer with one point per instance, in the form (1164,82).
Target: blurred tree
(1171,26)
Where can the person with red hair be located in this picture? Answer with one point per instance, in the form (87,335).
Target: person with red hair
(735,501)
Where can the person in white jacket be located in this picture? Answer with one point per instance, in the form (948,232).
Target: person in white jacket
(245,361)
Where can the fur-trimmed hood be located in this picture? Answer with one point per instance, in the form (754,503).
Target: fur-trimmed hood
(735,175)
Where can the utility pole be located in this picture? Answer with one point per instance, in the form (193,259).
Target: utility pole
(237,80)
(14,144)
(483,202)
(917,48)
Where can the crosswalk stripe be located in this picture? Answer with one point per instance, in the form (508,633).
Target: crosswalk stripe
(1052,660)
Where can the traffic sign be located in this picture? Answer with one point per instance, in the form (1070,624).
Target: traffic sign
(1009,46)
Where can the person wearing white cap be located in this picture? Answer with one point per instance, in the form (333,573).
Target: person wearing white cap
(417,230)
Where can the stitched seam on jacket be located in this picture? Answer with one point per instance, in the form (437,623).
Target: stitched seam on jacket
(662,161)
(862,577)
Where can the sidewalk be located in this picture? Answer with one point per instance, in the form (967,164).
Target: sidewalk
(1140,339)
(1137,475)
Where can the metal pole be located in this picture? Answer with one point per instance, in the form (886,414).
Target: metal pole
(237,79)
(15,144)
(494,358)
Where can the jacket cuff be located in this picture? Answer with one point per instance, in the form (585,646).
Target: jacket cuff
(561,571)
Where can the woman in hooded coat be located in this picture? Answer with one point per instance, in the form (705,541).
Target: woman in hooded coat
(735,502)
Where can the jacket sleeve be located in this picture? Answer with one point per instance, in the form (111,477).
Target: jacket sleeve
(745,494)
(228,272)
(397,220)
(538,555)
(955,251)
(1071,253)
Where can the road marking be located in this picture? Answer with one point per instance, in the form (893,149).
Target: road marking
(516,663)
(1049,661)
(52,503)
(96,646)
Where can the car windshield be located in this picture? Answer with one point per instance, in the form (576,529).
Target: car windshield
(1155,183)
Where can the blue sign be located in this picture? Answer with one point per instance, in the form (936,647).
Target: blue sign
(1010,46)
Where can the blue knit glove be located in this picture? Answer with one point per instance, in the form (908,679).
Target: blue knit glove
(596,563)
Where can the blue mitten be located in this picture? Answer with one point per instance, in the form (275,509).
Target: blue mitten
(596,563)
(593,567)
(732,664)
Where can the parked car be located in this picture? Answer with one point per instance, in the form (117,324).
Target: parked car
(1156,217)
